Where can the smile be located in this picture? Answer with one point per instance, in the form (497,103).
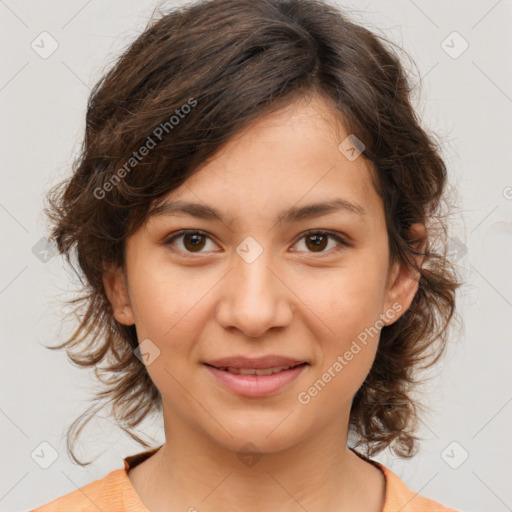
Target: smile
(256,382)
(255,371)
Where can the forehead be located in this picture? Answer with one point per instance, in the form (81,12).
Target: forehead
(278,166)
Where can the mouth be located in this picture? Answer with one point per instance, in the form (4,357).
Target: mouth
(256,371)
(256,382)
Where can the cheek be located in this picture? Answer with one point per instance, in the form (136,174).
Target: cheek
(347,299)
(346,350)
(169,308)
(347,304)
(167,298)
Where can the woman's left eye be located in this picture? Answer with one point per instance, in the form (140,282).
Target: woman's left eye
(193,241)
(319,240)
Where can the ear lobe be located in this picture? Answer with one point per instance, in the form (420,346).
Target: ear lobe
(114,282)
(403,290)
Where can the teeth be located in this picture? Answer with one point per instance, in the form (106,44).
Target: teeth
(256,371)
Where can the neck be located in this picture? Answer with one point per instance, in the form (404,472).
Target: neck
(193,472)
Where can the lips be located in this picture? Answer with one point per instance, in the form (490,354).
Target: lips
(256,382)
(241,364)
(257,371)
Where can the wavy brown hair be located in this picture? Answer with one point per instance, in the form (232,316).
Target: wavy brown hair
(196,76)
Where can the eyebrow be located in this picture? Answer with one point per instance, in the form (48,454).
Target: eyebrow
(293,214)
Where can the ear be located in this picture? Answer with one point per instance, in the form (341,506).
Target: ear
(403,283)
(116,288)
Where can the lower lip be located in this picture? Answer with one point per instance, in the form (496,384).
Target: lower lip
(257,385)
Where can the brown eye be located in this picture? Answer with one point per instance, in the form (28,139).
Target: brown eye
(193,241)
(190,242)
(318,241)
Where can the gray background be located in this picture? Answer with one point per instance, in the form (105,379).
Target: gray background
(465,97)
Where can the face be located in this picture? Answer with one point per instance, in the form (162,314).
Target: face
(265,276)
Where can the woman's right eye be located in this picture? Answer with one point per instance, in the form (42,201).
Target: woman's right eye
(191,241)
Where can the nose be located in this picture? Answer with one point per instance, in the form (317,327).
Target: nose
(254,297)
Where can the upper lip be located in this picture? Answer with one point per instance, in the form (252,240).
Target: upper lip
(242,362)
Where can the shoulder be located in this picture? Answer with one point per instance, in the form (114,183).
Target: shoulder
(400,497)
(103,495)
(112,493)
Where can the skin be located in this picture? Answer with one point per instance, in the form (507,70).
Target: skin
(198,304)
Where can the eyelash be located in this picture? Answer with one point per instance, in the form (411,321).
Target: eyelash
(343,243)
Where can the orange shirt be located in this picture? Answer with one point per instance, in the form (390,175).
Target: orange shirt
(115,493)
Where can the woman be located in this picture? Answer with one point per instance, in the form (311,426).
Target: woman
(256,210)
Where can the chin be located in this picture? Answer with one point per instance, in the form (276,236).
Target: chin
(269,436)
